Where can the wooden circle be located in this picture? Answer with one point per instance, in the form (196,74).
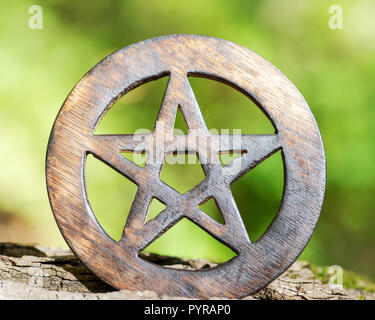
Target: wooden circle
(180,56)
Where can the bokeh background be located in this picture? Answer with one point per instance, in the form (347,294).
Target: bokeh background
(333,69)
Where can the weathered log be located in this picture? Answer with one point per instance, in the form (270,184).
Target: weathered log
(33,272)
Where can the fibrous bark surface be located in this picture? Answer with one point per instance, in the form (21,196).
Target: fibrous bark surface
(33,272)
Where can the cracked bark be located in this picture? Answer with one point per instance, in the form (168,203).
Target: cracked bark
(33,272)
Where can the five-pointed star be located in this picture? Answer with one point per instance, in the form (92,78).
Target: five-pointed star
(199,140)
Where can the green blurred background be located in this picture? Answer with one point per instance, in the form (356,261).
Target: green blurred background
(334,70)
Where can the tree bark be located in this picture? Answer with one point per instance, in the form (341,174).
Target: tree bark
(33,272)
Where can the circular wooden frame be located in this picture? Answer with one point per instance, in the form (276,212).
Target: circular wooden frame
(180,56)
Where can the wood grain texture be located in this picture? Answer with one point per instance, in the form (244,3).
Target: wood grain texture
(180,57)
(34,272)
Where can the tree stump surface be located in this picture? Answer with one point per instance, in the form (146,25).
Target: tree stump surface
(34,272)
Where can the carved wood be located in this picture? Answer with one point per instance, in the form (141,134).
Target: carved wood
(180,57)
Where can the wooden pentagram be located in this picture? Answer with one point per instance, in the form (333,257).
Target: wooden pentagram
(180,56)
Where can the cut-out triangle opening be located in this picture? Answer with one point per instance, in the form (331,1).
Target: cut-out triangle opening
(227,157)
(110,196)
(258,195)
(139,158)
(155,207)
(186,240)
(180,126)
(226,108)
(182,171)
(210,207)
(137,109)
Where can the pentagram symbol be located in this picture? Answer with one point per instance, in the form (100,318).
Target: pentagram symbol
(296,134)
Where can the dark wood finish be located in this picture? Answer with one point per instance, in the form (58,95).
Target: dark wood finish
(180,56)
